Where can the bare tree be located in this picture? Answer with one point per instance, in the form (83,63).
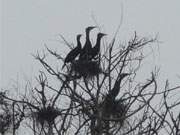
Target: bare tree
(97,97)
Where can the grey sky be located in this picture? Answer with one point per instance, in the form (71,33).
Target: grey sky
(28,24)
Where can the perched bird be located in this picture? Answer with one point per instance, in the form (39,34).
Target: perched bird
(110,103)
(96,49)
(115,90)
(110,98)
(88,46)
(74,52)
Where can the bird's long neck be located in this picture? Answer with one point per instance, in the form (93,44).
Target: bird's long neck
(78,43)
(116,89)
(87,36)
(98,42)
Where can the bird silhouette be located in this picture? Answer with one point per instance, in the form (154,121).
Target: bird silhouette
(96,49)
(110,103)
(115,90)
(74,52)
(88,46)
(110,98)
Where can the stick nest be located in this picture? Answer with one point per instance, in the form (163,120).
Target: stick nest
(5,122)
(86,69)
(46,115)
(116,110)
(119,110)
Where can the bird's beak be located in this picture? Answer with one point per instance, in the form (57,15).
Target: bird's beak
(79,35)
(92,27)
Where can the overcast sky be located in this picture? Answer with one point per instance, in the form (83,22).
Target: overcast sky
(28,24)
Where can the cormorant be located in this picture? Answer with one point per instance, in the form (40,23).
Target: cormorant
(115,91)
(96,49)
(110,99)
(88,46)
(74,52)
(110,103)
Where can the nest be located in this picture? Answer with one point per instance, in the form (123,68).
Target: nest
(46,115)
(86,69)
(116,109)
(119,110)
(5,122)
